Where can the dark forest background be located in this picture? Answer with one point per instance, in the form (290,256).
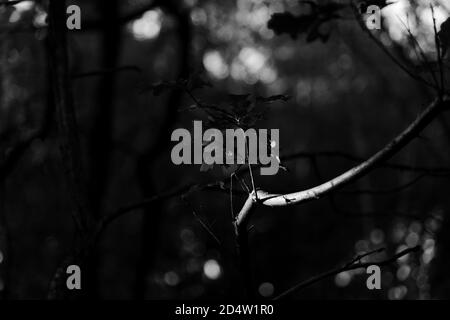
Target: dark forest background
(172,234)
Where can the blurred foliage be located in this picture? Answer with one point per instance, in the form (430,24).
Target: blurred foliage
(309,23)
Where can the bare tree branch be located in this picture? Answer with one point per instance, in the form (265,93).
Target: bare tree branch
(438,50)
(362,169)
(242,245)
(10,3)
(349,266)
(221,187)
(177,192)
(431,171)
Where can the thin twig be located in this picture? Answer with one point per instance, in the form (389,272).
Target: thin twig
(422,53)
(200,220)
(242,245)
(10,3)
(251,178)
(242,182)
(439,51)
(231,197)
(359,257)
(432,171)
(347,267)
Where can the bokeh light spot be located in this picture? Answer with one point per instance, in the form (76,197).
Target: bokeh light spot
(412,239)
(215,64)
(397,293)
(148,26)
(377,236)
(266,289)
(212,269)
(403,272)
(343,279)
(252,59)
(171,278)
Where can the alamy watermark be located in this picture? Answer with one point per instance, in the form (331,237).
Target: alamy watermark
(372,17)
(236,146)
(74,19)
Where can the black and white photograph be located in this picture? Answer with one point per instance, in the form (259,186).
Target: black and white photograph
(224,158)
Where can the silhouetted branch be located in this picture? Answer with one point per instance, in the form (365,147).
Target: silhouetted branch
(367,166)
(10,3)
(431,171)
(349,266)
(438,51)
(242,246)
(177,192)
(221,187)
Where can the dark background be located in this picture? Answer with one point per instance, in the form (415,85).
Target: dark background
(348,99)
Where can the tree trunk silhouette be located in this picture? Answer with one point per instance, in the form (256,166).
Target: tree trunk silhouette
(100,142)
(153,216)
(69,150)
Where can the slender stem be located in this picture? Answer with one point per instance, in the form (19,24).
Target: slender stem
(10,2)
(242,245)
(347,267)
(422,53)
(362,169)
(438,52)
